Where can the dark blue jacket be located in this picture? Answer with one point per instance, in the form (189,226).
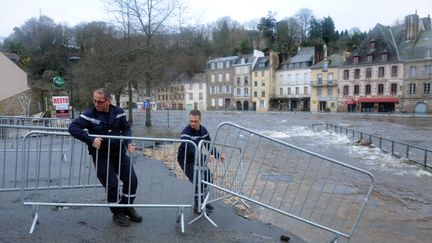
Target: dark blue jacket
(195,136)
(112,123)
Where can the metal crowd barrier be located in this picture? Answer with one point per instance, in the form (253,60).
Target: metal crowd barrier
(219,174)
(11,153)
(35,121)
(60,173)
(288,180)
(412,153)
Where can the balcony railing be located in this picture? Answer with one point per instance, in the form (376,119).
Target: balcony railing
(323,83)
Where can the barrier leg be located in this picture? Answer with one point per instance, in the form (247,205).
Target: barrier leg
(204,210)
(35,218)
(180,218)
(335,239)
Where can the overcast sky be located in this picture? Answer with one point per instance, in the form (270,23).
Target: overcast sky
(346,14)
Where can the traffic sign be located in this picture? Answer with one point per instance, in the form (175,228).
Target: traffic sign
(146,104)
(58,82)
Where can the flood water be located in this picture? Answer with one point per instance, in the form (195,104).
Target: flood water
(400,209)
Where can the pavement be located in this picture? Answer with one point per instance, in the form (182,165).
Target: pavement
(94,224)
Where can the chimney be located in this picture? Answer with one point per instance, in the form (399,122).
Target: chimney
(411,27)
(427,23)
(346,54)
(319,53)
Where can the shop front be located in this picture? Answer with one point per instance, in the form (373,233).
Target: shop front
(378,104)
(351,105)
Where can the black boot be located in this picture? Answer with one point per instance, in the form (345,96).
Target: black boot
(120,219)
(132,214)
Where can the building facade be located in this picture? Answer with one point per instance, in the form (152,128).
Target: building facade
(15,96)
(292,82)
(171,97)
(372,78)
(263,82)
(220,77)
(195,91)
(324,84)
(416,51)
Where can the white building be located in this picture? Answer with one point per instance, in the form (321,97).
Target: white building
(195,93)
(293,81)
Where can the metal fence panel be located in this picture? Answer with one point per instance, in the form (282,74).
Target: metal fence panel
(412,153)
(11,152)
(289,180)
(59,172)
(35,121)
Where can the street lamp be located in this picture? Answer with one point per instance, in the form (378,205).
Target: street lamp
(72,59)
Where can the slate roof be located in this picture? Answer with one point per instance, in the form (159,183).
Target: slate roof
(223,59)
(385,42)
(248,59)
(305,54)
(415,50)
(334,60)
(262,63)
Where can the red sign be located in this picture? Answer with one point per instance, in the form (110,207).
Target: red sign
(60,100)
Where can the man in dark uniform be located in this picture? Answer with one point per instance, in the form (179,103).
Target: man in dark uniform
(106,119)
(186,154)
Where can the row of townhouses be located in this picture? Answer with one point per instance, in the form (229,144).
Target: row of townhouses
(391,71)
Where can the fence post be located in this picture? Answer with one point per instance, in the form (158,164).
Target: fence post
(407,151)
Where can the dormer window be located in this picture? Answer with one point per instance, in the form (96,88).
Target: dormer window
(384,57)
(428,52)
(355,59)
(370,58)
(372,44)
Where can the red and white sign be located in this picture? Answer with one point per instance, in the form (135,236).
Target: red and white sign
(60,100)
(61,105)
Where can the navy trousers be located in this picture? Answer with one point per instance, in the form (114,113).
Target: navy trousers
(108,173)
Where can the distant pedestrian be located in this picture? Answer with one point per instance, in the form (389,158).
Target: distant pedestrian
(186,154)
(107,119)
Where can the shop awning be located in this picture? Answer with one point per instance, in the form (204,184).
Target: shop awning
(350,102)
(379,100)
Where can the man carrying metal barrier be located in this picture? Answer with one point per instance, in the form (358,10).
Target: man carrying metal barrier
(186,155)
(107,119)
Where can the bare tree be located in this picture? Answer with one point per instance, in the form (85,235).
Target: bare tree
(104,58)
(304,16)
(147,18)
